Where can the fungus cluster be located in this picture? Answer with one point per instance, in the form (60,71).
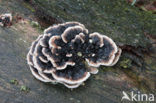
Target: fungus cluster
(68,54)
(5,19)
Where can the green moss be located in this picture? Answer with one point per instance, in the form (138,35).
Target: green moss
(24,88)
(35,24)
(116,18)
(14,81)
(125,63)
(29,7)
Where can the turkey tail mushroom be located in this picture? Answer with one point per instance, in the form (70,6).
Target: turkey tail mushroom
(6,19)
(67,54)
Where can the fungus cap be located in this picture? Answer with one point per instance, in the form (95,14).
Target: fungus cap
(5,19)
(105,52)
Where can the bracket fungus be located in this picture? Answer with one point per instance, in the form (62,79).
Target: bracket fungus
(6,19)
(68,54)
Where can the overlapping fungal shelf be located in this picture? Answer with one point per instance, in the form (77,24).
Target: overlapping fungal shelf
(68,54)
(5,19)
